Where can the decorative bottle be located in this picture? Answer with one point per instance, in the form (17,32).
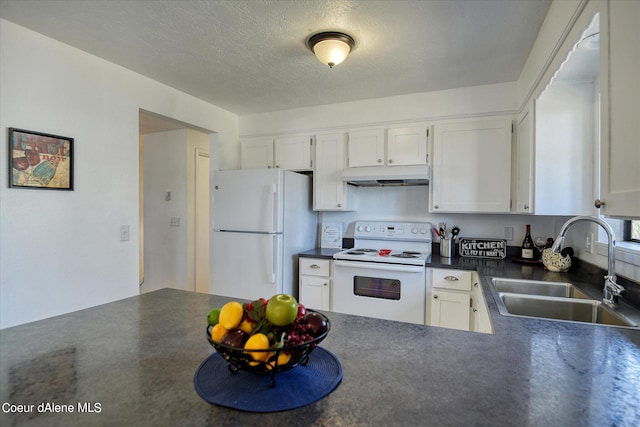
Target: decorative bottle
(527,245)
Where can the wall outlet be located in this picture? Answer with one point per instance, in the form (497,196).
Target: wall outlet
(174,221)
(508,233)
(124,233)
(588,242)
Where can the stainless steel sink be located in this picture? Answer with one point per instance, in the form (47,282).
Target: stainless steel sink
(538,287)
(554,301)
(577,310)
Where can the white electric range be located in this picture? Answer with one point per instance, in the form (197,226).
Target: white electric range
(384,275)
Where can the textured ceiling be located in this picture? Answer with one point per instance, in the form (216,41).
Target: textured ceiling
(250,56)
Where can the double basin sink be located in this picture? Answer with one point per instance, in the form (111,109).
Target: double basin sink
(553,300)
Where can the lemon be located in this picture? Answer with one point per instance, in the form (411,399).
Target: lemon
(213,316)
(231,315)
(283,359)
(217,332)
(258,341)
(246,326)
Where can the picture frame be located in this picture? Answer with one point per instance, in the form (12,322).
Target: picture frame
(40,160)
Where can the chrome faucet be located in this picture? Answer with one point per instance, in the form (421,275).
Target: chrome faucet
(611,289)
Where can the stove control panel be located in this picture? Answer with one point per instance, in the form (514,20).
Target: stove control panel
(407,231)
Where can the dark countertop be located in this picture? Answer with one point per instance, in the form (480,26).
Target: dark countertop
(137,358)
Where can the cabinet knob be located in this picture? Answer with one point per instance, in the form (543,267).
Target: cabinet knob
(435,206)
(339,205)
(526,207)
(324,284)
(435,297)
(451,278)
(475,285)
(475,310)
(379,160)
(315,266)
(269,167)
(598,203)
(390,161)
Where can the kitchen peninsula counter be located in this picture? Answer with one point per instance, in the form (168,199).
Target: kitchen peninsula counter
(136,359)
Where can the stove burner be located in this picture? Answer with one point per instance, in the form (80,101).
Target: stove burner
(355,253)
(366,250)
(411,252)
(407,255)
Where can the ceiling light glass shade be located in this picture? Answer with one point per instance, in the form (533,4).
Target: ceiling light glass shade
(331,48)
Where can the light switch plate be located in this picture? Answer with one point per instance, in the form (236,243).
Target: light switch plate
(124,233)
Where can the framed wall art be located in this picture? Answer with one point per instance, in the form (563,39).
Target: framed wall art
(40,160)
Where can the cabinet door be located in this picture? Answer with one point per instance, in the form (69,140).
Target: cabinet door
(366,148)
(524,162)
(480,317)
(472,167)
(256,154)
(450,309)
(329,191)
(407,146)
(293,153)
(620,106)
(315,292)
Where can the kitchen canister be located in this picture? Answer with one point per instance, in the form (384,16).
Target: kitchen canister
(447,248)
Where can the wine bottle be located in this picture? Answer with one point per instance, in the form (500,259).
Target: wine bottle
(527,244)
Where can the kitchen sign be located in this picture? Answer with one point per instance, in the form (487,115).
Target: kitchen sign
(483,248)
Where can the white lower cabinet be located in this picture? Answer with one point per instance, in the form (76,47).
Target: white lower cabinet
(315,283)
(449,298)
(455,300)
(480,318)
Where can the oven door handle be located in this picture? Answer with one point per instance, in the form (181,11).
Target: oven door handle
(381,266)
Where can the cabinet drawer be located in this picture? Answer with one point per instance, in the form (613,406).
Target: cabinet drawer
(314,267)
(451,279)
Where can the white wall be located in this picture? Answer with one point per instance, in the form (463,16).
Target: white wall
(165,246)
(496,99)
(60,251)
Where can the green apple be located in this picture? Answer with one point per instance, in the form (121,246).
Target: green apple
(282,309)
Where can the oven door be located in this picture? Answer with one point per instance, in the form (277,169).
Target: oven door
(384,291)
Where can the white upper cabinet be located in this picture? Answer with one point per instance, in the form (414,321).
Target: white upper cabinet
(524,175)
(366,148)
(407,146)
(293,153)
(620,109)
(290,153)
(471,167)
(256,154)
(330,192)
(402,146)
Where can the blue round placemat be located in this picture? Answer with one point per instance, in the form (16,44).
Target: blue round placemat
(251,392)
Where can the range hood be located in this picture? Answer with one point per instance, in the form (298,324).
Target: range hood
(382,176)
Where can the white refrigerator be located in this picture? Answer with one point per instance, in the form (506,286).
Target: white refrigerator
(262,218)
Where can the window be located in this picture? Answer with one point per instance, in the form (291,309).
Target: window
(632,231)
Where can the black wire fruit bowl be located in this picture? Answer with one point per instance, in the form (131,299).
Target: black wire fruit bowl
(271,360)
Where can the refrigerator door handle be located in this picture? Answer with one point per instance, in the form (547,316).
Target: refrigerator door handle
(274,256)
(274,207)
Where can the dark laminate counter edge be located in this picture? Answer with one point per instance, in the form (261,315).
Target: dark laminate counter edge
(137,357)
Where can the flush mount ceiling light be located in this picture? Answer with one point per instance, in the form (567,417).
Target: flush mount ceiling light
(331,47)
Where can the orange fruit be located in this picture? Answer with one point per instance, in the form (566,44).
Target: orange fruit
(231,315)
(258,341)
(217,332)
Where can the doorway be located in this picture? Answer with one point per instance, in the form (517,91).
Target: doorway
(174,204)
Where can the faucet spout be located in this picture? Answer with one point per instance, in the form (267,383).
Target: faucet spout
(611,288)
